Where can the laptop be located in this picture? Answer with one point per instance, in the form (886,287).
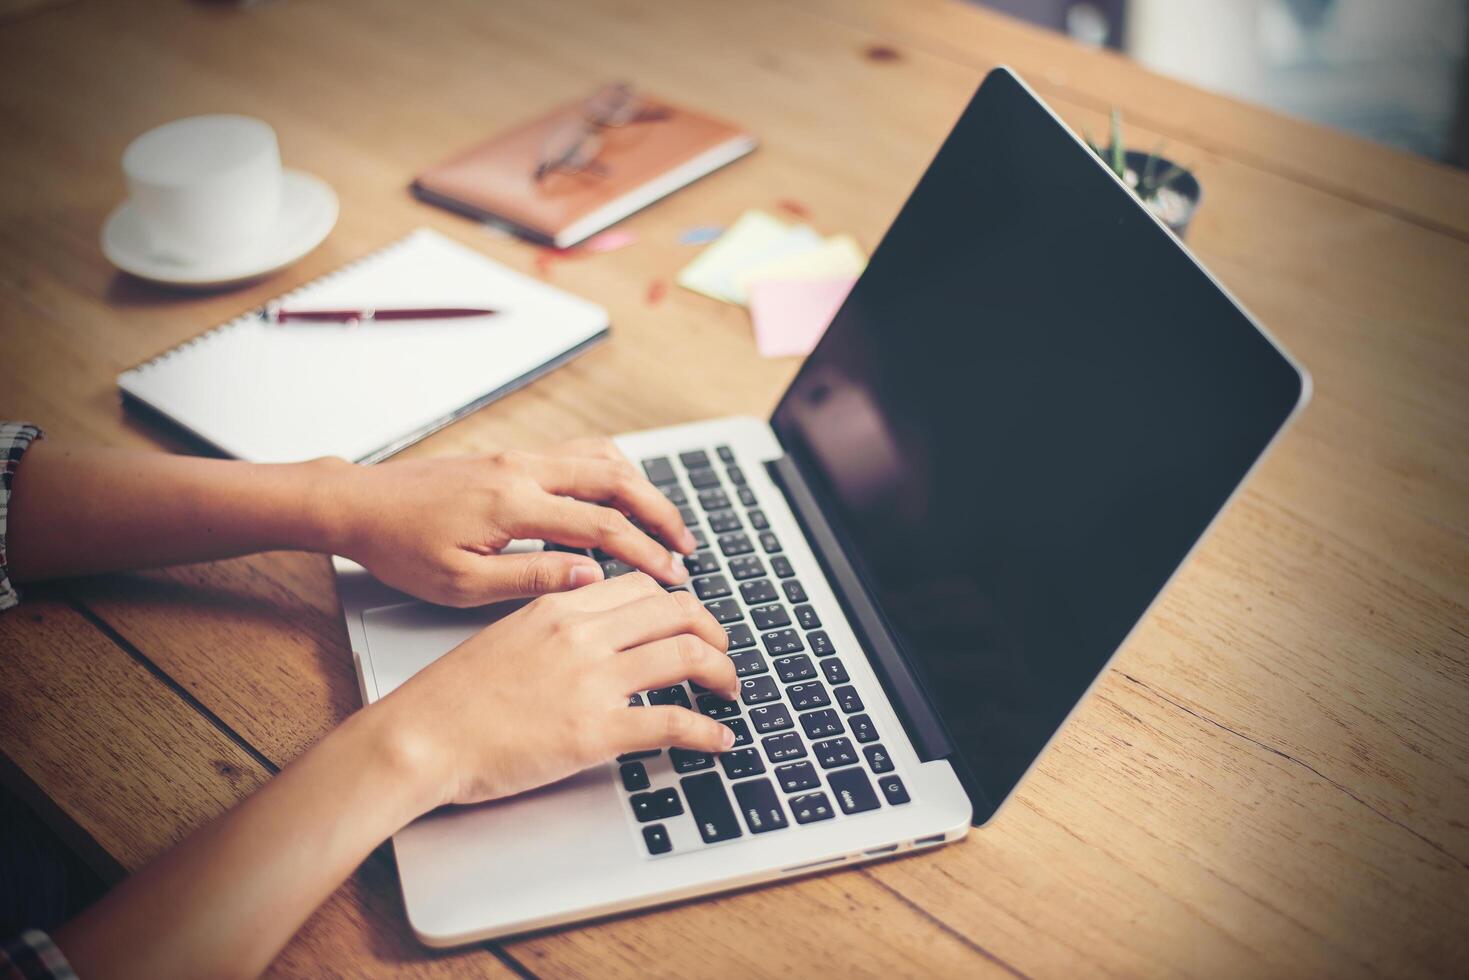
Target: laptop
(1029,410)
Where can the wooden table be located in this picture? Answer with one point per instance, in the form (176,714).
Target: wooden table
(1273,779)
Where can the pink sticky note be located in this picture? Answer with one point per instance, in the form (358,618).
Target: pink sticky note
(790,315)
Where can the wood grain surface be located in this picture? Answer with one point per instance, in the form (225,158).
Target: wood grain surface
(1273,779)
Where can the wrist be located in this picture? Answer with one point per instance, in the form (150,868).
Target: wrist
(406,757)
(327,505)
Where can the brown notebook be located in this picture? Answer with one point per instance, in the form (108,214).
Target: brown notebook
(636,164)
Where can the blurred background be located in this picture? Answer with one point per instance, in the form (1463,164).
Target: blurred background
(1389,70)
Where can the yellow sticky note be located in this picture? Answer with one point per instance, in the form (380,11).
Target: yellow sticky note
(837,257)
(755,239)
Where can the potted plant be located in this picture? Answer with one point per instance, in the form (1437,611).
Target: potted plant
(1171,192)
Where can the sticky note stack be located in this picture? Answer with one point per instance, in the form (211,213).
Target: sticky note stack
(792,279)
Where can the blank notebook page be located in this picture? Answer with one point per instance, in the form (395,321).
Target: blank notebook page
(287,392)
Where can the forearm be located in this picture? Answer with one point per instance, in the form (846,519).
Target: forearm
(229,898)
(79,512)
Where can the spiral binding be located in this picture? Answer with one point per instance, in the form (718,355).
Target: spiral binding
(283,298)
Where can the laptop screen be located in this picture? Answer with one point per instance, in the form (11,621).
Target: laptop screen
(1027,411)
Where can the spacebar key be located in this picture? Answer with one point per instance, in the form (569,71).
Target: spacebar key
(709,804)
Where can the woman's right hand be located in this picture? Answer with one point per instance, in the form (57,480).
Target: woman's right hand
(543,693)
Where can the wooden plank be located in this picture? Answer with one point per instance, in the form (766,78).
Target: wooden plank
(135,768)
(1415,188)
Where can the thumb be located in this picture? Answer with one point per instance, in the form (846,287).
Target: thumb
(527,575)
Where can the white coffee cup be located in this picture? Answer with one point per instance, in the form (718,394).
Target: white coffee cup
(206,186)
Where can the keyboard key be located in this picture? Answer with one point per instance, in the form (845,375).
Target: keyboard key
(759,521)
(703,479)
(741,731)
(781,566)
(741,763)
(565,548)
(643,754)
(758,690)
(736,476)
(758,593)
(694,459)
(784,747)
(713,499)
(848,699)
(760,806)
(797,776)
(724,610)
(877,759)
(770,718)
(674,493)
(739,636)
(709,804)
(747,496)
(724,521)
(782,642)
(701,563)
(811,807)
(794,591)
(687,514)
(804,697)
(792,669)
(863,730)
(712,587)
(770,617)
(747,567)
(835,672)
(725,454)
(717,708)
(769,542)
(822,724)
(806,616)
(748,663)
(634,700)
(612,567)
(659,470)
(834,753)
(852,790)
(657,805)
(687,760)
(700,542)
(820,643)
(893,789)
(656,837)
(735,544)
(670,695)
(634,776)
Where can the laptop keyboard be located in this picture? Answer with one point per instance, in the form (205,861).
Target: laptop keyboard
(804,746)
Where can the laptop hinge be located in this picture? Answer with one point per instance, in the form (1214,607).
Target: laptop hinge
(898,679)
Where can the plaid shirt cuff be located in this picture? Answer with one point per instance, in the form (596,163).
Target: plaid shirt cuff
(15,439)
(33,956)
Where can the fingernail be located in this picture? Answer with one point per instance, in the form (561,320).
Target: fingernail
(584,573)
(689,544)
(728,738)
(676,568)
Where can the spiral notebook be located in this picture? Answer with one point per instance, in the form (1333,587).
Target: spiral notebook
(285,392)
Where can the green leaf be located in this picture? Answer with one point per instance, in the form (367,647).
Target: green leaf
(1119,155)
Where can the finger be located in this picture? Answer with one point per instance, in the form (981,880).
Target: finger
(611,593)
(672,661)
(660,617)
(615,482)
(660,726)
(495,578)
(584,525)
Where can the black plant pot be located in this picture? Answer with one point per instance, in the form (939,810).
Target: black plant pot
(1175,204)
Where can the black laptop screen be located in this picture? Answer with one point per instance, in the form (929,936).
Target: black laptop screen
(1025,414)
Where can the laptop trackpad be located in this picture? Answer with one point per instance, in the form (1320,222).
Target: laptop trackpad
(403,639)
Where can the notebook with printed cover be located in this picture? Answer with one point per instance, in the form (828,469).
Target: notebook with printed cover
(285,392)
(635,165)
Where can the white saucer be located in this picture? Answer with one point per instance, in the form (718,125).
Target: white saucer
(308,213)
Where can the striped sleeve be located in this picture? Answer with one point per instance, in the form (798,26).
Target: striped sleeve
(15,439)
(33,956)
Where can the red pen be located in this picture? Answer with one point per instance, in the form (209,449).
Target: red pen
(276,315)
